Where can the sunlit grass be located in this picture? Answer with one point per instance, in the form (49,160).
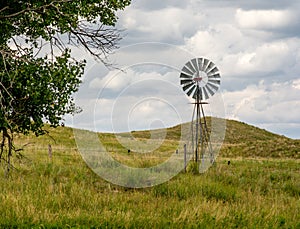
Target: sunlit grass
(251,192)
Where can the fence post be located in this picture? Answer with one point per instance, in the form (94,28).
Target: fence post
(50,151)
(184,157)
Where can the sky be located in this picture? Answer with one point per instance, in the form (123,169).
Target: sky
(255,44)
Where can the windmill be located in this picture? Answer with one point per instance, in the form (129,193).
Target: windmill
(200,79)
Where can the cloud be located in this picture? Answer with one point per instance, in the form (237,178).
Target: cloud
(169,25)
(296,84)
(245,59)
(138,98)
(265,104)
(250,5)
(147,5)
(270,22)
(114,80)
(267,58)
(288,129)
(263,19)
(217,41)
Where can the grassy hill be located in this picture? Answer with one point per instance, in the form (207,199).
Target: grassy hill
(249,141)
(260,191)
(241,140)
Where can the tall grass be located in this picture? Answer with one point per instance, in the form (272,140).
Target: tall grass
(65,192)
(62,191)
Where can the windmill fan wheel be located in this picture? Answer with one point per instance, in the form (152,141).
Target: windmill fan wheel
(200,78)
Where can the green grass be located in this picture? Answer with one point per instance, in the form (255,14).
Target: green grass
(254,191)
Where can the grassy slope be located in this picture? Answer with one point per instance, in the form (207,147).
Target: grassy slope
(243,140)
(248,141)
(262,193)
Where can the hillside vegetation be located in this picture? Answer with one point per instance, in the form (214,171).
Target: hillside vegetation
(243,140)
(259,189)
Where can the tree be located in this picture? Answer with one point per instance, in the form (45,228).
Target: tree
(38,75)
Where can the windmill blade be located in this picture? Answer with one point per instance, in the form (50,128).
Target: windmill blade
(212,71)
(205,64)
(210,91)
(183,75)
(195,65)
(187,71)
(190,66)
(200,63)
(218,82)
(213,86)
(195,93)
(209,67)
(205,93)
(187,86)
(198,92)
(214,76)
(185,81)
(191,90)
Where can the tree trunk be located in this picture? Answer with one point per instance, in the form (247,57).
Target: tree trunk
(7,136)
(2,146)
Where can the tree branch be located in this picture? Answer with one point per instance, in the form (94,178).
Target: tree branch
(98,42)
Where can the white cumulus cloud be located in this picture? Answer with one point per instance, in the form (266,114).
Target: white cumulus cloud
(263,19)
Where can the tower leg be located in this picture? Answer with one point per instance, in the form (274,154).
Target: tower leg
(200,138)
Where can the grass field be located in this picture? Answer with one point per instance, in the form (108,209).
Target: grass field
(259,189)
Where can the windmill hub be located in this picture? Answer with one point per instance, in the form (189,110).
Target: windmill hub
(200,78)
(197,79)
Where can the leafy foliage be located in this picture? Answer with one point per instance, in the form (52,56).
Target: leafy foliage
(37,72)
(36,91)
(45,18)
